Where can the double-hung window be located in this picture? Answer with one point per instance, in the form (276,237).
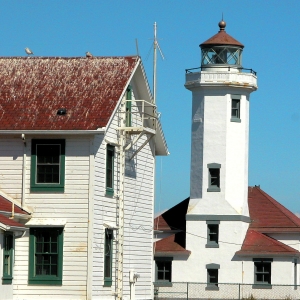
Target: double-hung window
(108,256)
(46,256)
(163,270)
(214,177)
(47,165)
(235,108)
(110,153)
(212,234)
(8,247)
(262,270)
(212,276)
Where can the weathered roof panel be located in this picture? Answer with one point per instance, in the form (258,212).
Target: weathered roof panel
(33,89)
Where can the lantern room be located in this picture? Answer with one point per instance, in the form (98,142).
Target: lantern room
(221,51)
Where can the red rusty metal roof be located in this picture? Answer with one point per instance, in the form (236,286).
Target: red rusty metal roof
(222,38)
(257,243)
(169,245)
(268,215)
(6,206)
(33,89)
(9,222)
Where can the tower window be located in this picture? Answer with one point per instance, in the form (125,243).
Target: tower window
(212,234)
(214,177)
(235,108)
(212,276)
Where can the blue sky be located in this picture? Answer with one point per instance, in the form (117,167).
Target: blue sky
(268,29)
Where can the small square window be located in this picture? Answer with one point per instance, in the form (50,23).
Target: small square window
(212,234)
(110,153)
(262,271)
(235,109)
(47,166)
(45,256)
(163,270)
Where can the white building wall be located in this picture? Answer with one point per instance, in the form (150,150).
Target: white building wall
(138,214)
(215,139)
(71,206)
(231,235)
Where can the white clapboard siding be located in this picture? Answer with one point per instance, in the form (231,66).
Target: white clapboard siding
(138,214)
(72,206)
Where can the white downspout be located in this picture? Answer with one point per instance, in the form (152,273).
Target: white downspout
(89,283)
(23,171)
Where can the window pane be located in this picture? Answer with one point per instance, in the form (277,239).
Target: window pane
(212,275)
(214,177)
(48,154)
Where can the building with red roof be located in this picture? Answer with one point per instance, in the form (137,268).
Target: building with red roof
(76,145)
(225,232)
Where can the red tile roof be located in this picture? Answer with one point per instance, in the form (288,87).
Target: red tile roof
(33,89)
(6,206)
(9,222)
(257,243)
(169,245)
(268,215)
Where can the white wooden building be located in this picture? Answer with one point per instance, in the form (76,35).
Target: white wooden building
(77,160)
(224,233)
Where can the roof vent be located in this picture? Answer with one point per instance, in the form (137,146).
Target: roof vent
(61,112)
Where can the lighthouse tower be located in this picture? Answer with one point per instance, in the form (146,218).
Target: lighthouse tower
(218,208)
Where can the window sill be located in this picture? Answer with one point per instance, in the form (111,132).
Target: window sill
(213,189)
(212,245)
(7,280)
(163,283)
(47,189)
(107,283)
(45,282)
(237,120)
(212,288)
(262,286)
(109,192)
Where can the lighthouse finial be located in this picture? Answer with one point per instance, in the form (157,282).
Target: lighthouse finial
(222,24)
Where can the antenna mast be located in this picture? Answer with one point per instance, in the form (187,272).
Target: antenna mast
(154,64)
(155,47)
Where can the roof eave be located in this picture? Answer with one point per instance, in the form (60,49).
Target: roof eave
(54,132)
(169,253)
(267,254)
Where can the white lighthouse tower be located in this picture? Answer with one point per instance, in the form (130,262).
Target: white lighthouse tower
(218,208)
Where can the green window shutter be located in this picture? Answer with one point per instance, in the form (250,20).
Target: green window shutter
(47,172)
(45,256)
(7,258)
(128,106)
(108,257)
(110,153)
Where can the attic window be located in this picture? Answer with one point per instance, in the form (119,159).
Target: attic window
(61,112)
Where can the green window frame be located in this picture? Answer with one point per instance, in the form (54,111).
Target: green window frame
(235,108)
(163,271)
(262,271)
(108,256)
(214,177)
(46,256)
(47,165)
(128,106)
(8,249)
(110,153)
(212,276)
(212,234)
